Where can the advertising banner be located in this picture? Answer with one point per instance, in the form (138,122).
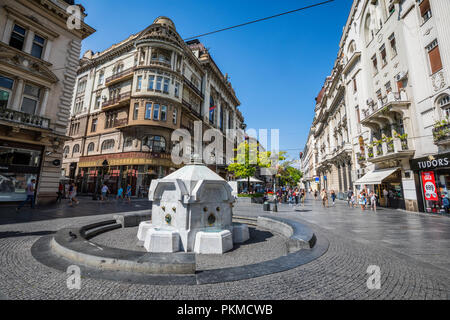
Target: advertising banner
(429,186)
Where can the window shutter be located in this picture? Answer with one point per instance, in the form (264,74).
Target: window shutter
(424,7)
(435,59)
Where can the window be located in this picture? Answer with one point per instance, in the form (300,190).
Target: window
(166,85)
(379,95)
(393,45)
(175,115)
(108,144)
(434,56)
(151,82)
(38,46)
(375,64)
(425,10)
(355,87)
(17,37)
(444,104)
(155,143)
(139,83)
(230,121)
(148,111)
(81,86)
(163,113)
(111,119)
(66,151)
(128,143)
(383,55)
(90,147)
(212,109)
(158,83)
(221,118)
(391,9)
(30,99)
(101,77)
(358,117)
(388,87)
(6,85)
(136,111)
(94,125)
(156,112)
(76,149)
(177,89)
(98,101)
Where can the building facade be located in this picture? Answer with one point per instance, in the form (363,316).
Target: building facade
(131,97)
(38,61)
(392,80)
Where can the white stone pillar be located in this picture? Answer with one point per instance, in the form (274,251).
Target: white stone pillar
(44,102)
(172,60)
(28,41)
(7,32)
(17,95)
(47,50)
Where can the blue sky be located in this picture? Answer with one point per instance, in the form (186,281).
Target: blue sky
(276,67)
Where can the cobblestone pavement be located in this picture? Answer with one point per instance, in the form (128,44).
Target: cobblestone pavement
(397,242)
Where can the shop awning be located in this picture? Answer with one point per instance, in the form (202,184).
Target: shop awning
(376,176)
(252,179)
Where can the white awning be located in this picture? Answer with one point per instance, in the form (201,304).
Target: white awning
(375,177)
(252,179)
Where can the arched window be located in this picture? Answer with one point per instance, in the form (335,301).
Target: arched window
(108,144)
(154,143)
(90,147)
(76,149)
(351,48)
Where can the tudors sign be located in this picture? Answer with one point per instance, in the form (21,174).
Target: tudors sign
(431,162)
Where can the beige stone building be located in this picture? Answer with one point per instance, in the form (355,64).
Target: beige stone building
(131,97)
(38,61)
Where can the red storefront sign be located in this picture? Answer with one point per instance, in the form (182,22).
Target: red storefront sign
(429,186)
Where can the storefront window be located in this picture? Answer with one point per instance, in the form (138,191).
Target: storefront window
(18,166)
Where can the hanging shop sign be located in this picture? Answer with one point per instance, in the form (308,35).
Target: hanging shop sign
(429,186)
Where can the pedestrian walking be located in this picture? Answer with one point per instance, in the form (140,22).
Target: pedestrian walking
(386,197)
(60,193)
(303,197)
(362,200)
(105,191)
(333,197)
(128,193)
(73,194)
(30,194)
(324,196)
(349,197)
(373,201)
(119,195)
(315,194)
(353,201)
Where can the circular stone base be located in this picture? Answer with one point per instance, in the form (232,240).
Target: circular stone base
(262,246)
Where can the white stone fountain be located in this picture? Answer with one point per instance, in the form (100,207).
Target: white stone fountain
(192,212)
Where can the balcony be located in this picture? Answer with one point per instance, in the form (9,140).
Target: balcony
(121,100)
(390,148)
(384,109)
(441,132)
(118,77)
(23,118)
(193,87)
(160,63)
(191,108)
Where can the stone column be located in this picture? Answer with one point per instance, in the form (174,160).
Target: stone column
(47,50)
(44,102)
(7,32)
(17,95)
(350,182)
(28,41)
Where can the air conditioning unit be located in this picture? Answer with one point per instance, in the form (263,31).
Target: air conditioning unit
(400,76)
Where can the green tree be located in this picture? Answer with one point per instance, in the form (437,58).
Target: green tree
(289,175)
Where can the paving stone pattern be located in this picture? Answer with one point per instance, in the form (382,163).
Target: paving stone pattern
(399,243)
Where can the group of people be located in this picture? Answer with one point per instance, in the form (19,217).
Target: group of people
(291,196)
(324,197)
(364,199)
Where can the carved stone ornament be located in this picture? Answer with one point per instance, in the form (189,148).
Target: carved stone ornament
(438,81)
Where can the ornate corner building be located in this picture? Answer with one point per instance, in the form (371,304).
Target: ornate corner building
(381,118)
(131,97)
(38,62)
